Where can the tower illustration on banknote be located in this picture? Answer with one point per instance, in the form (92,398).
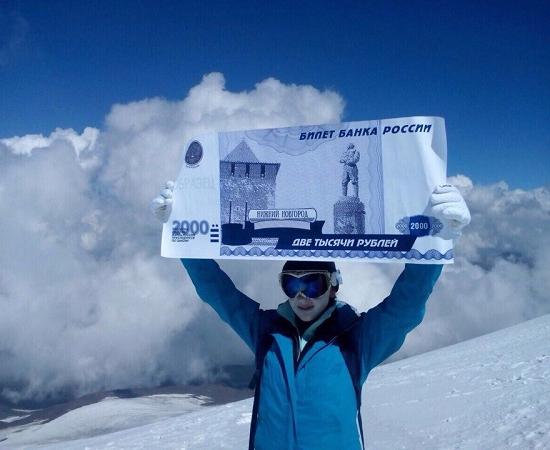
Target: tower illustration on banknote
(349,210)
(246,183)
(247,203)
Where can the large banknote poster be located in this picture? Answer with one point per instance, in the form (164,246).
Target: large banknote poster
(357,191)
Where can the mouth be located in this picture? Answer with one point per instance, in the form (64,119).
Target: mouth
(305,307)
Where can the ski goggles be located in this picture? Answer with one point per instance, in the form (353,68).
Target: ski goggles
(312,284)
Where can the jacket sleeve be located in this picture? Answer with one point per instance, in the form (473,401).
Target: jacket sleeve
(384,327)
(215,288)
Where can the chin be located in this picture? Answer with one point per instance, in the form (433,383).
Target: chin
(307,316)
(304,318)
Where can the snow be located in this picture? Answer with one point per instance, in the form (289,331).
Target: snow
(106,416)
(492,392)
(13,418)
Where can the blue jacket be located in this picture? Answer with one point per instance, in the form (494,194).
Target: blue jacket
(307,396)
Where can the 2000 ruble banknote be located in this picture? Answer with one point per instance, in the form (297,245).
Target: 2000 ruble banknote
(355,190)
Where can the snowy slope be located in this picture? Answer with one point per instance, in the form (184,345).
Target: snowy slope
(491,392)
(108,415)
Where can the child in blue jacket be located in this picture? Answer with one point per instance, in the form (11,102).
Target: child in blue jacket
(314,352)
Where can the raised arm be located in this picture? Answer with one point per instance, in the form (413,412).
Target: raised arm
(212,283)
(384,327)
(236,309)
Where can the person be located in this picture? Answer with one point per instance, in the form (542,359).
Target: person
(349,159)
(314,352)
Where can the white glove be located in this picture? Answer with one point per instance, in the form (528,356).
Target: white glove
(449,207)
(162,205)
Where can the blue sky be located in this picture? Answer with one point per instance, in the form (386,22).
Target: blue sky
(484,66)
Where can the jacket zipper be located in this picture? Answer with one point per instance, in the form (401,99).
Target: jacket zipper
(296,338)
(300,352)
(324,346)
(304,351)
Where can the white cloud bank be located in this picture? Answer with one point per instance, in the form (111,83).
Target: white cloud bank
(87,303)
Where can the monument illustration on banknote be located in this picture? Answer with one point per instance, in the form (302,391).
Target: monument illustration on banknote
(354,190)
(349,211)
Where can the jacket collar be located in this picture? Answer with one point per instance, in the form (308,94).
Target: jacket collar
(341,314)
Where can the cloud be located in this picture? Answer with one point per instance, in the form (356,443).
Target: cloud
(500,274)
(145,138)
(87,303)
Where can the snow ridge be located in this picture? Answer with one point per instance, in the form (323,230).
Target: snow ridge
(491,392)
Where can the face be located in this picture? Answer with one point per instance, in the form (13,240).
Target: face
(308,309)
(309,292)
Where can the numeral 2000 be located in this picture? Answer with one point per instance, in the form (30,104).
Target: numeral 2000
(419,226)
(190,227)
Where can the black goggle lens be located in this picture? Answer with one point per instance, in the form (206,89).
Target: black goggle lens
(312,285)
